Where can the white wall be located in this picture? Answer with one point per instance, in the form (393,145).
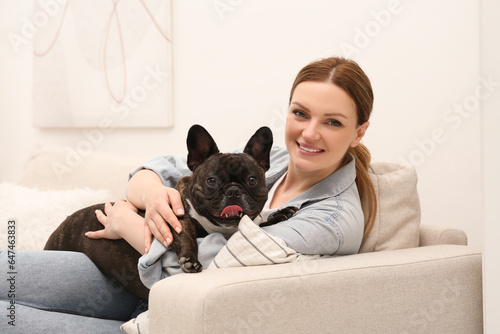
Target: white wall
(491,166)
(233,70)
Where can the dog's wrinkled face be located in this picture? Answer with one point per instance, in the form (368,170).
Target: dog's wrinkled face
(224,187)
(228,186)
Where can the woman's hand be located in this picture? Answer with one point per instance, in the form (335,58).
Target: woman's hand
(146,191)
(114,219)
(163,205)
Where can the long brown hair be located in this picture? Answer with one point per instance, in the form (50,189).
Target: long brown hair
(347,74)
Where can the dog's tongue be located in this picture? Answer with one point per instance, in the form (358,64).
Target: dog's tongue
(232,211)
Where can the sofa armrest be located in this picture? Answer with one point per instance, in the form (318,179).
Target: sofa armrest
(438,235)
(436,289)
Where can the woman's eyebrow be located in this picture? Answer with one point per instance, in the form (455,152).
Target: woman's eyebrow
(333,114)
(301,106)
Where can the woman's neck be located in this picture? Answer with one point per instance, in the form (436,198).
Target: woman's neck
(300,181)
(295,183)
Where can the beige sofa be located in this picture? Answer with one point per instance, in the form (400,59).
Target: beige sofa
(408,277)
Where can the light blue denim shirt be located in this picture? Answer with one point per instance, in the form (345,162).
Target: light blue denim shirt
(330,220)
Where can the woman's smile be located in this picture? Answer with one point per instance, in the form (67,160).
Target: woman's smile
(309,149)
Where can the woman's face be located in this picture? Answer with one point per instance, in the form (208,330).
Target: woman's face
(320,127)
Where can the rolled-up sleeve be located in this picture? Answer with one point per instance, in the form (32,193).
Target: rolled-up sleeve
(170,169)
(156,264)
(161,262)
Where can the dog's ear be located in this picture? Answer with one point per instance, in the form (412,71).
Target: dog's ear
(259,146)
(200,146)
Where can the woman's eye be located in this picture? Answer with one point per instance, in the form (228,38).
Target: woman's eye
(335,123)
(252,181)
(299,113)
(212,182)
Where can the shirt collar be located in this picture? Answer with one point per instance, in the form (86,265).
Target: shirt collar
(331,186)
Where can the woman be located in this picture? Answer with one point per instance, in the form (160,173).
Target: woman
(323,171)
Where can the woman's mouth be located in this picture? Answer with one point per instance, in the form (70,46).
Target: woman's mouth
(309,148)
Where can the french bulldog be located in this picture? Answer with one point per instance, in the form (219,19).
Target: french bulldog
(222,189)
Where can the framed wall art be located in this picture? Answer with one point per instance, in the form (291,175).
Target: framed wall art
(101,62)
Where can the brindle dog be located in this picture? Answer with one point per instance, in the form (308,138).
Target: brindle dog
(221,189)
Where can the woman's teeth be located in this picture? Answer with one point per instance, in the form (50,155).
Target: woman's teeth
(309,149)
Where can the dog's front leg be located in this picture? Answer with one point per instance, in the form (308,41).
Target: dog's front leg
(186,246)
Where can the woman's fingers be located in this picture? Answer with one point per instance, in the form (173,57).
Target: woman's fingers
(174,198)
(96,234)
(107,207)
(105,219)
(101,217)
(167,215)
(162,214)
(159,228)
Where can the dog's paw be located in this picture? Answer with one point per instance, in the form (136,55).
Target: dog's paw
(281,215)
(287,212)
(190,265)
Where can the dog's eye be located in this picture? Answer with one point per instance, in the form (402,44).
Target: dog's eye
(212,182)
(252,181)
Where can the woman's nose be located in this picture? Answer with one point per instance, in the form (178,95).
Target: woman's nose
(311,132)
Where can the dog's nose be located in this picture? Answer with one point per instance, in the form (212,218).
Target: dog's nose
(233,191)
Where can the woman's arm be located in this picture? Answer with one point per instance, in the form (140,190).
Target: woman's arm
(332,226)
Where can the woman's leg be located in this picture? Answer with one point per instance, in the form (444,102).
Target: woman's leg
(66,282)
(34,321)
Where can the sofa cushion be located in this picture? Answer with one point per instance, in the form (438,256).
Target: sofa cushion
(397,220)
(60,168)
(39,212)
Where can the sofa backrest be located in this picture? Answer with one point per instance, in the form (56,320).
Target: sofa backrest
(62,168)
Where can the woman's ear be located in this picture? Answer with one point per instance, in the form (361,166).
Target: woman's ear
(360,133)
